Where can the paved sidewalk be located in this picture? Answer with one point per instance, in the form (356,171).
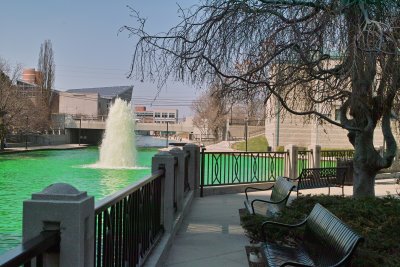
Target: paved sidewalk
(55,147)
(211,234)
(224,146)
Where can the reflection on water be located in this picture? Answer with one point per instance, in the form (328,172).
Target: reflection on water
(110,181)
(97,166)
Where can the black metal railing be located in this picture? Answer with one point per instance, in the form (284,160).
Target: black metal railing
(330,158)
(31,252)
(228,168)
(128,223)
(186,178)
(305,160)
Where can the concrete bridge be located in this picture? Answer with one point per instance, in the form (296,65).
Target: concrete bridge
(100,124)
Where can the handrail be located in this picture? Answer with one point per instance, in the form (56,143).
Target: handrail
(106,202)
(244,152)
(33,248)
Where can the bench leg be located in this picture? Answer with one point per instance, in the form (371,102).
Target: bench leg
(329,190)
(342,191)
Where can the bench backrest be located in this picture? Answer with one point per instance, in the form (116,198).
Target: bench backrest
(327,239)
(282,189)
(321,177)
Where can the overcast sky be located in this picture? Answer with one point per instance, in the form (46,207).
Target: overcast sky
(88,50)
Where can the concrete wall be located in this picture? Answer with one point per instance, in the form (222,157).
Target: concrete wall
(293,129)
(79,103)
(44,140)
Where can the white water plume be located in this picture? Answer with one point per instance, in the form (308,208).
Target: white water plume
(118,148)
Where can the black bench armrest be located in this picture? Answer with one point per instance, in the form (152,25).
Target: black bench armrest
(291,263)
(264,224)
(349,255)
(268,201)
(257,189)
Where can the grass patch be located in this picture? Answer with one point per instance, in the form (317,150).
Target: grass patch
(256,144)
(376,219)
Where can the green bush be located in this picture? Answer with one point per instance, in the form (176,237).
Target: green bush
(376,219)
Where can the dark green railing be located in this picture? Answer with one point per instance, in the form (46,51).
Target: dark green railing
(230,168)
(305,160)
(330,158)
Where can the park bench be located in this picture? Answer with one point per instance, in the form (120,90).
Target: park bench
(326,241)
(280,193)
(319,178)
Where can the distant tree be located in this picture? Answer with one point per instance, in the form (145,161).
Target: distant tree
(46,69)
(210,112)
(14,108)
(307,54)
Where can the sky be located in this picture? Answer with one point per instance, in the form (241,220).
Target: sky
(88,49)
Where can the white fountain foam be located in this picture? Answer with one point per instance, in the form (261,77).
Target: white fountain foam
(118,148)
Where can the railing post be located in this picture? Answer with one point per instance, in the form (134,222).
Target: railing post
(316,150)
(165,160)
(291,168)
(62,207)
(194,166)
(180,181)
(202,170)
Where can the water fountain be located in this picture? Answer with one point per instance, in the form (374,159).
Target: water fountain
(118,148)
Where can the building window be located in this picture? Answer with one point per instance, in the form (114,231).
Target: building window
(165,115)
(157,115)
(171,115)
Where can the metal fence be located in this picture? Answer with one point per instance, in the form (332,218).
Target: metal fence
(128,224)
(330,158)
(31,252)
(228,168)
(305,160)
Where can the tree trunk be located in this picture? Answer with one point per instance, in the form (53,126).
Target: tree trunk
(363,181)
(366,165)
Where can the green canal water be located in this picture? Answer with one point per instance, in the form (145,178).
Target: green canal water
(22,174)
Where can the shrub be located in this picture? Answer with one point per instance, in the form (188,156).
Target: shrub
(376,219)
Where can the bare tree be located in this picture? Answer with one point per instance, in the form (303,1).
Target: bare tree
(307,54)
(210,112)
(46,68)
(14,108)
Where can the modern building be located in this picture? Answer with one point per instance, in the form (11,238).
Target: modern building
(92,102)
(156,115)
(83,104)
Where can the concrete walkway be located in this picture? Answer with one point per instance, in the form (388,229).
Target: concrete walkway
(211,234)
(223,146)
(55,147)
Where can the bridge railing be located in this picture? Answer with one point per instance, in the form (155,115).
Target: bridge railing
(31,252)
(128,224)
